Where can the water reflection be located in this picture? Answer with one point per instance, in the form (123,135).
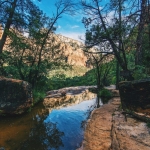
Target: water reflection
(43,136)
(70,121)
(41,129)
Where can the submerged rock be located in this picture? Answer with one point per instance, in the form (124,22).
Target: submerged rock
(15,96)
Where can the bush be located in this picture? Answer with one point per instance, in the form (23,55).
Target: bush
(38,96)
(105,93)
(140,73)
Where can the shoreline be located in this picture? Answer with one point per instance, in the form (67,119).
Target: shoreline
(109,129)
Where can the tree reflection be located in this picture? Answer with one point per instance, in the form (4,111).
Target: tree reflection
(87,114)
(43,136)
(98,101)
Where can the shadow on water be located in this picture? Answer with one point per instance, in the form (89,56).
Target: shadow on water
(46,129)
(43,136)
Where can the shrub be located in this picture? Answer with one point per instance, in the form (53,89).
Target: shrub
(38,96)
(105,93)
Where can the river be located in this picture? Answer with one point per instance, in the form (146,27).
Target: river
(59,128)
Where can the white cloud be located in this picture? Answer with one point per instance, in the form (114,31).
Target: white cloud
(74,35)
(75,26)
(109,17)
(26,34)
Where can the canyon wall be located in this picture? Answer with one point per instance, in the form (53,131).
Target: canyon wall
(58,47)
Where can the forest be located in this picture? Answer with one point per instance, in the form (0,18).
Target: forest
(118,28)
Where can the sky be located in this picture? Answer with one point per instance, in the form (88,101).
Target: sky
(69,26)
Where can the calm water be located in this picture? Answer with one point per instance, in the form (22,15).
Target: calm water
(43,129)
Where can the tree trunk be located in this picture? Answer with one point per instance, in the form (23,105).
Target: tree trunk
(117,74)
(7,26)
(139,51)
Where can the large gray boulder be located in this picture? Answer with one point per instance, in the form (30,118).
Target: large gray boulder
(135,95)
(15,96)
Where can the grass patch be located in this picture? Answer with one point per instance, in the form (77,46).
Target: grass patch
(38,96)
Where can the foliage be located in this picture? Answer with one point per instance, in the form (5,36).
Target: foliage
(140,72)
(87,79)
(105,93)
(31,52)
(38,96)
(109,36)
(34,57)
(68,71)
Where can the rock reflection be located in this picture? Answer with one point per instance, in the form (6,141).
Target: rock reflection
(43,136)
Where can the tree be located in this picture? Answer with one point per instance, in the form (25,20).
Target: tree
(143,34)
(97,60)
(143,28)
(13,14)
(34,53)
(105,25)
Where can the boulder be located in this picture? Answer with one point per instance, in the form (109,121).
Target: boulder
(135,95)
(15,96)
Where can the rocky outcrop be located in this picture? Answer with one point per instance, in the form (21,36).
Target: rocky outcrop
(58,48)
(129,133)
(71,95)
(71,50)
(110,129)
(97,133)
(15,96)
(135,95)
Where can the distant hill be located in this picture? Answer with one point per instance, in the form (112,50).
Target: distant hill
(58,47)
(69,49)
(72,50)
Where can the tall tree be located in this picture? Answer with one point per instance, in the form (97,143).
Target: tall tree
(9,8)
(144,22)
(108,26)
(33,53)
(13,13)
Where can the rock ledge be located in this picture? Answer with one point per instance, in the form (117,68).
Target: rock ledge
(109,129)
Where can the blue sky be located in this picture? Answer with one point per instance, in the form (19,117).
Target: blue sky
(69,26)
